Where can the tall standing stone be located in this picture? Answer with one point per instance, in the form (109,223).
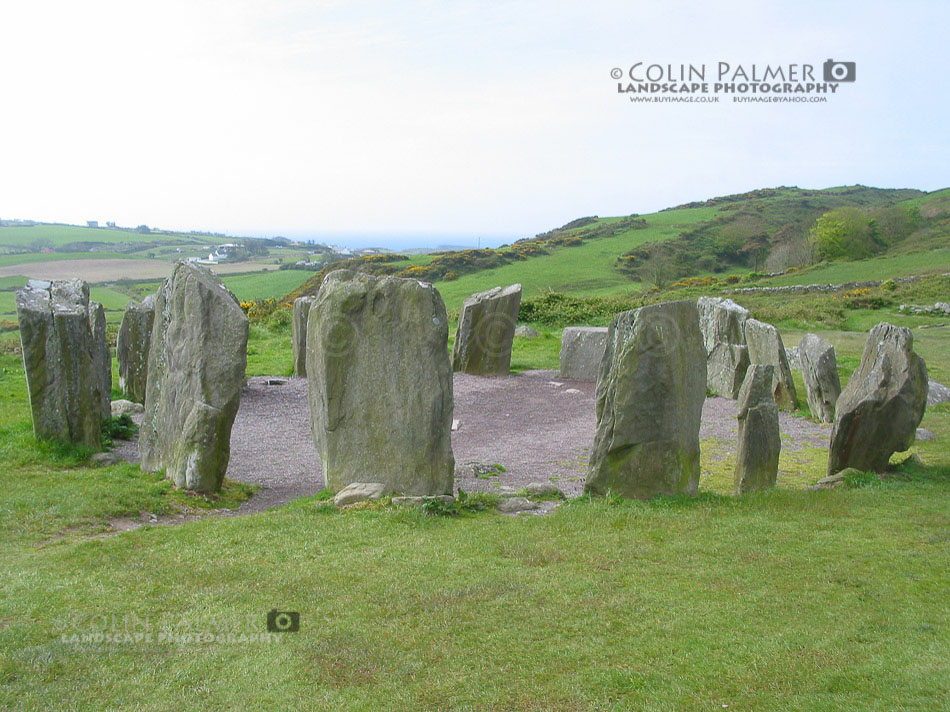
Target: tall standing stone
(131,347)
(760,441)
(766,347)
(650,396)
(882,405)
(196,369)
(299,334)
(380,384)
(66,359)
(722,322)
(820,371)
(582,350)
(486,330)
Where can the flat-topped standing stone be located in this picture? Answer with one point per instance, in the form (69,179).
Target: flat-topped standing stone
(131,347)
(766,347)
(380,384)
(760,441)
(485,332)
(722,322)
(299,334)
(582,350)
(820,371)
(650,396)
(882,405)
(66,359)
(196,369)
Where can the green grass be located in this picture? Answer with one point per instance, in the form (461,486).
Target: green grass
(867,270)
(261,285)
(65,234)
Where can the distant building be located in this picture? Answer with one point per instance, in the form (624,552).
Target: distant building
(92,223)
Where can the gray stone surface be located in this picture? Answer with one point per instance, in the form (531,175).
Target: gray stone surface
(937,393)
(882,405)
(526,332)
(486,329)
(359,492)
(513,505)
(543,489)
(766,347)
(794,358)
(126,407)
(131,347)
(650,396)
(299,334)
(820,372)
(760,442)
(66,359)
(196,367)
(925,435)
(380,383)
(722,323)
(582,349)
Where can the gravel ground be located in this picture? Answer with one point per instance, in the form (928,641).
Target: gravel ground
(534,424)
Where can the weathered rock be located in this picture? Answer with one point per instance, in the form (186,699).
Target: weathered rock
(582,349)
(925,435)
(513,505)
(794,358)
(131,347)
(66,359)
(937,393)
(299,334)
(196,366)
(103,459)
(526,332)
(544,489)
(650,396)
(359,492)
(722,323)
(380,383)
(760,441)
(766,347)
(420,501)
(820,371)
(485,332)
(882,405)
(832,481)
(126,407)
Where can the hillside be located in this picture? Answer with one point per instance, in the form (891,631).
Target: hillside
(764,230)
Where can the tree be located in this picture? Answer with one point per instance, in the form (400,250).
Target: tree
(756,246)
(844,233)
(657,268)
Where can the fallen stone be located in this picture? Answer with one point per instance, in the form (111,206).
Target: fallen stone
(820,372)
(380,383)
(881,407)
(582,350)
(925,435)
(486,328)
(359,492)
(196,369)
(126,407)
(103,459)
(832,481)
(478,469)
(66,360)
(544,489)
(513,505)
(299,334)
(570,390)
(132,345)
(760,441)
(766,347)
(794,358)
(722,323)
(937,393)
(525,331)
(420,501)
(650,399)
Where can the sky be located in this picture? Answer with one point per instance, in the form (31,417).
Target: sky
(420,122)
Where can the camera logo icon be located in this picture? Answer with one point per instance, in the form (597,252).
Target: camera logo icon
(838,71)
(283,621)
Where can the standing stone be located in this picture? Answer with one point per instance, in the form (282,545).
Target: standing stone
(650,396)
(882,405)
(131,347)
(766,347)
(722,322)
(760,441)
(299,335)
(937,393)
(66,359)
(380,384)
(195,374)
(820,371)
(485,332)
(582,350)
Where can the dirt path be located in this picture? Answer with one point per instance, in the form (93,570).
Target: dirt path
(538,427)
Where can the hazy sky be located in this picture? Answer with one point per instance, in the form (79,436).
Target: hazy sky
(443,120)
